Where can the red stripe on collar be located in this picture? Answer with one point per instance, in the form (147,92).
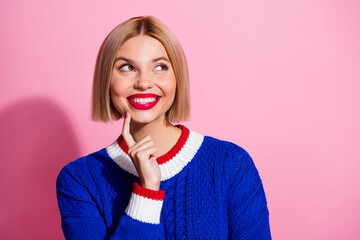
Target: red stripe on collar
(170,154)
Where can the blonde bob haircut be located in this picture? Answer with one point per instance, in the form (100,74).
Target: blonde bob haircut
(102,107)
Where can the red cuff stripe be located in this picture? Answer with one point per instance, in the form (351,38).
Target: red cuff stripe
(148,193)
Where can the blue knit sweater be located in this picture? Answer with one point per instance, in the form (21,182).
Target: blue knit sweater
(210,189)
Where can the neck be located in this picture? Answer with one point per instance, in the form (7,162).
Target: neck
(161,131)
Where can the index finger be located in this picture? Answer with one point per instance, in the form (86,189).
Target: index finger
(129,140)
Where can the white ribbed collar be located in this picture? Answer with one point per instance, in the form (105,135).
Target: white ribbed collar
(169,168)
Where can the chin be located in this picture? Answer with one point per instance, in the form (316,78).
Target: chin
(144,118)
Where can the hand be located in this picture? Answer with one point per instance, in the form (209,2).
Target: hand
(143,154)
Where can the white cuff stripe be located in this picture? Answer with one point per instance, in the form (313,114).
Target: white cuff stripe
(144,209)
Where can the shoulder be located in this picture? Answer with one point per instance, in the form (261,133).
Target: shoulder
(235,162)
(80,169)
(228,150)
(240,172)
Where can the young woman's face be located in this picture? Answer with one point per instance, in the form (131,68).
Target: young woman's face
(142,80)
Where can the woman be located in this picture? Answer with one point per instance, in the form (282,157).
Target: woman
(158,180)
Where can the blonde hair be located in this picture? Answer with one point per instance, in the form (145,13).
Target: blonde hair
(102,107)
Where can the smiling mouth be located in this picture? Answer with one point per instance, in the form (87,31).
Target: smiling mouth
(143,100)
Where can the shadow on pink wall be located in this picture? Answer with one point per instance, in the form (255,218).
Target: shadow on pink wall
(36,141)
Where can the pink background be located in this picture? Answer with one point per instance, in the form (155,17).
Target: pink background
(279,78)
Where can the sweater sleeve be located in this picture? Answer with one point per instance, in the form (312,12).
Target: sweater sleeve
(248,212)
(82,219)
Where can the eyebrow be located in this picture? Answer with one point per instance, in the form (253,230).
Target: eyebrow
(132,62)
(160,58)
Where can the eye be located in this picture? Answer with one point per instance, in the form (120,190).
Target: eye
(126,68)
(161,67)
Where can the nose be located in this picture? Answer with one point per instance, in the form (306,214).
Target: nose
(144,81)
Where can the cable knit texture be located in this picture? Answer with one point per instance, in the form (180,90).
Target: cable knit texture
(210,189)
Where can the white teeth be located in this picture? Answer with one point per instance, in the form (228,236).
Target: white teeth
(143,100)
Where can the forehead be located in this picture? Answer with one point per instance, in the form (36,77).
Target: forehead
(142,47)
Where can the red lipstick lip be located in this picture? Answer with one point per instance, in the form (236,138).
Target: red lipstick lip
(143,95)
(146,106)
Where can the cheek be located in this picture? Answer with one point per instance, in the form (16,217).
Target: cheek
(117,87)
(171,91)
(171,85)
(117,93)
